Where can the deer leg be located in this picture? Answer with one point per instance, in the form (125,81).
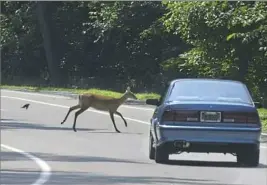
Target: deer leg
(75,118)
(112,118)
(118,113)
(70,109)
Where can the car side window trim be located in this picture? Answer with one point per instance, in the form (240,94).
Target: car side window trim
(165,93)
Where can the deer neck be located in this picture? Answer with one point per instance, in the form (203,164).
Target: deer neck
(122,99)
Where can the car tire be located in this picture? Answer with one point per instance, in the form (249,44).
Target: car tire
(249,158)
(161,156)
(151,148)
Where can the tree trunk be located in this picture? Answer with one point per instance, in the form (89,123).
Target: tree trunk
(244,57)
(45,21)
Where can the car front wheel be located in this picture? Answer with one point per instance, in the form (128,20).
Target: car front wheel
(249,158)
(151,149)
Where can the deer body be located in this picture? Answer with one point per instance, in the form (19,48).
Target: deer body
(103,103)
(99,102)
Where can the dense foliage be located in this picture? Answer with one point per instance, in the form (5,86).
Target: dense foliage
(144,44)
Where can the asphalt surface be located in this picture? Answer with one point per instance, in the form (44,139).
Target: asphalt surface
(96,154)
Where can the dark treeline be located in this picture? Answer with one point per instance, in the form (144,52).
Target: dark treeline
(143,44)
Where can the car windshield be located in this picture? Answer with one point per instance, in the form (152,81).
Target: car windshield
(210,90)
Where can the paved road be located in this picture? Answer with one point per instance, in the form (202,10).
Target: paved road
(96,154)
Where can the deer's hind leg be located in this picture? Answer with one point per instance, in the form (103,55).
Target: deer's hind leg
(70,109)
(76,115)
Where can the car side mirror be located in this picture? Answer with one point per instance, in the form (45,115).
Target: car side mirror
(258,105)
(152,102)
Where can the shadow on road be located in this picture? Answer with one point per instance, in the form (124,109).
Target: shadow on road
(9,124)
(12,156)
(210,164)
(13,124)
(13,177)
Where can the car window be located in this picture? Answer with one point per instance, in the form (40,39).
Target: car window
(163,94)
(210,90)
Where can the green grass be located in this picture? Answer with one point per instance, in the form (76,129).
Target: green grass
(263,116)
(140,96)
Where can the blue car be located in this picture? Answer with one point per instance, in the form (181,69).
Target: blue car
(206,116)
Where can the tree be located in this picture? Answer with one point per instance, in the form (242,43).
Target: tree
(46,28)
(226,38)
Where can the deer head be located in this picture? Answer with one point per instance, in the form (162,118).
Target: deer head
(129,94)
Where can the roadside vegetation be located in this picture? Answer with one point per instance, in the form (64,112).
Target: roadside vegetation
(115,94)
(140,96)
(263,116)
(103,47)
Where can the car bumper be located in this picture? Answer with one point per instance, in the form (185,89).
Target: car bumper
(207,139)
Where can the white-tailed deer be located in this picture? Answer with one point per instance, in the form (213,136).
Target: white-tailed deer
(99,102)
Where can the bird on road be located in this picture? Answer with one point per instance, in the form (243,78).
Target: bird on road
(26,106)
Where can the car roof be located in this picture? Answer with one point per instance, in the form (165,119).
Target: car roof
(204,79)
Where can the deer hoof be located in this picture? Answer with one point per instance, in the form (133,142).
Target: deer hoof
(118,131)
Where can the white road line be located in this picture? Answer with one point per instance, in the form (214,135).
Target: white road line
(36,94)
(63,97)
(63,106)
(46,170)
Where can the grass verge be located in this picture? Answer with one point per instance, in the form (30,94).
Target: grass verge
(140,96)
(263,116)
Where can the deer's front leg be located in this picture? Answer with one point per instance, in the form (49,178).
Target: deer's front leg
(118,113)
(70,109)
(112,118)
(75,118)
